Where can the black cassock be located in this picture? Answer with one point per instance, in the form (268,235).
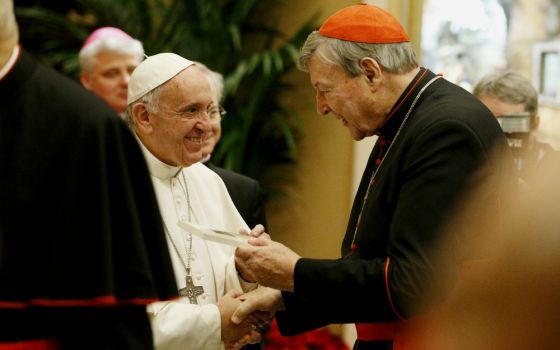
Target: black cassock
(82,248)
(390,262)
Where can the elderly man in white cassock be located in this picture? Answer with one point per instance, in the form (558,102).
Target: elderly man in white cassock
(169,99)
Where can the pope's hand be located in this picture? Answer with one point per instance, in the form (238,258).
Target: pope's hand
(257,301)
(232,332)
(267,262)
(257,231)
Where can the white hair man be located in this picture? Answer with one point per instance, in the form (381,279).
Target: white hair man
(107,59)
(170,100)
(435,141)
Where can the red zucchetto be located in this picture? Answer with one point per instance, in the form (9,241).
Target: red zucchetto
(366,24)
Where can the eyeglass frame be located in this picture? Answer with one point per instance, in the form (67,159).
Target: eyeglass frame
(211,113)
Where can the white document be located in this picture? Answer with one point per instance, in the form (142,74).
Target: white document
(220,236)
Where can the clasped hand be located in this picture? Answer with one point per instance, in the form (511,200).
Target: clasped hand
(247,331)
(254,311)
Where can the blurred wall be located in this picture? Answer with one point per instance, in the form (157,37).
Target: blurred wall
(532,22)
(312,218)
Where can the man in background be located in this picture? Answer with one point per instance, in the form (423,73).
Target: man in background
(245,192)
(107,58)
(82,246)
(514,102)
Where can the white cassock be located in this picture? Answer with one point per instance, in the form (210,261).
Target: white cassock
(178,324)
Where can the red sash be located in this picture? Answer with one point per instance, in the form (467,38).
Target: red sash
(377,331)
(394,331)
(405,334)
(37,344)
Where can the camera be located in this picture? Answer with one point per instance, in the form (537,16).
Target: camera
(518,128)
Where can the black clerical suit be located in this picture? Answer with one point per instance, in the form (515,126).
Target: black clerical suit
(245,193)
(388,260)
(82,249)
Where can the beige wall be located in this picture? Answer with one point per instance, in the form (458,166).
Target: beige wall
(312,219)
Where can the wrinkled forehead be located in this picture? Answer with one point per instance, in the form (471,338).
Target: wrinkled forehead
(189,86)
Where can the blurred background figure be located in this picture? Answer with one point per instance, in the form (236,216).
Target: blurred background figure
(107,58)
(514,101)
(245,192)
(82,246)
(511,299)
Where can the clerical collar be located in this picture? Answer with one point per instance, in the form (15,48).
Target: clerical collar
(398,112)
(158,168)
(10,63)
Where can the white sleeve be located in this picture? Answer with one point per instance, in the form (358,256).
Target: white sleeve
(177,326)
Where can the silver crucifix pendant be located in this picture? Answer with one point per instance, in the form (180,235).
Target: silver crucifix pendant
(191,291)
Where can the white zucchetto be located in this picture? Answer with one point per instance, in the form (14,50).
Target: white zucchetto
(154,71)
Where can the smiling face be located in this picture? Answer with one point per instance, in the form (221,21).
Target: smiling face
(175,132)
(352,100)
(109,78)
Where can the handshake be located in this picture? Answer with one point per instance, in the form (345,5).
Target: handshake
(269,263)
(245,316)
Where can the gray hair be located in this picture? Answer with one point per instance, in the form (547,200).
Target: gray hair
(509,87)
(215,79)
(395,58)
(117,45)
(150,100)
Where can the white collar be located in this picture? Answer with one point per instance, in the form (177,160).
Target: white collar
(158,168)
(10,63)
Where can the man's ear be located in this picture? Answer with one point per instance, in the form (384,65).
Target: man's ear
(372,70)
(85,80)
(141,117)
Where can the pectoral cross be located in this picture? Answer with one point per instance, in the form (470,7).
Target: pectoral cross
(191,291)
